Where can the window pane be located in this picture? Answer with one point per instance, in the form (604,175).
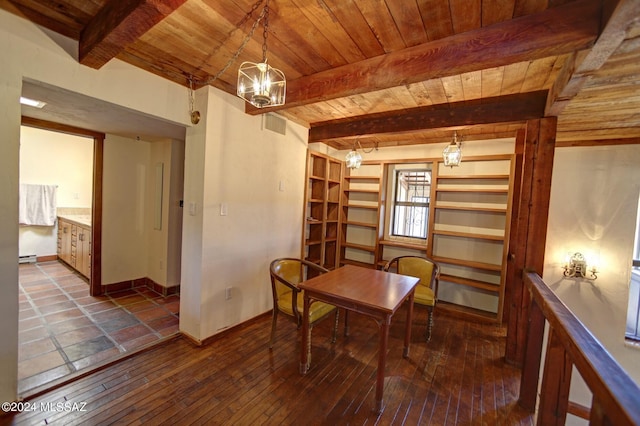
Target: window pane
(410,221)
(411,203)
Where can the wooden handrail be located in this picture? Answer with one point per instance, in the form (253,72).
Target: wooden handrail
(616,397)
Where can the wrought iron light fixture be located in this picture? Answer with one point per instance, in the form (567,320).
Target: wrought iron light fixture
(452,153)
(353,159)
(260,84)
(576,266)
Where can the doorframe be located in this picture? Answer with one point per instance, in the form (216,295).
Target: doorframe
(95,280)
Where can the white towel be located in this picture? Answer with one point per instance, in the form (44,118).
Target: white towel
(37,205)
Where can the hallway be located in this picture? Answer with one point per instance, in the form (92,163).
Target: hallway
(63,330)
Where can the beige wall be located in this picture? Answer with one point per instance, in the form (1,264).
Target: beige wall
(594,199)
(125,216)
(53,158)
(131,246)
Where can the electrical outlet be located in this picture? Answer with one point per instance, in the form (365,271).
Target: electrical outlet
(227,293)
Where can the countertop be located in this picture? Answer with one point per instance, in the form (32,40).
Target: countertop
(78,219)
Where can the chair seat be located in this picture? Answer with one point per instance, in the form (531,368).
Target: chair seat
(316,311)
(423,295)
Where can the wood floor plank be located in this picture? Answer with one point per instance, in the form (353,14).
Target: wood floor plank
(459,377)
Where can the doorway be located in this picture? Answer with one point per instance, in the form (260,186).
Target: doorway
(64,326)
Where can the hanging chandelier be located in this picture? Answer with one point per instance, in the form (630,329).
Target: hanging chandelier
(353,159)
(452,153)
(260,84)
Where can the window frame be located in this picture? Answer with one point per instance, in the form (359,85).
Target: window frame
(394,171)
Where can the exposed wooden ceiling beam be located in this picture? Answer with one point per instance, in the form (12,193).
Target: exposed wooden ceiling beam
(556,31)
(598,142)
(617,15)
(38,18)
(499,109)
(118,24)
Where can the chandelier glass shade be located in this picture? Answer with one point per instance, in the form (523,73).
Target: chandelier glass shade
(353,160)
(452,153)
(261,85)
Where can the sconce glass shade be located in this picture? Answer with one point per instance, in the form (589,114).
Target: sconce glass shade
(353,159)
(452,154)
(261,85)
(576,266)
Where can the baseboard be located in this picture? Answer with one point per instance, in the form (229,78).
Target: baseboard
(49,258)
(141,282)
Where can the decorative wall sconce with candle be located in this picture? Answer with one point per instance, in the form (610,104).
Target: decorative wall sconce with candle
(576,266)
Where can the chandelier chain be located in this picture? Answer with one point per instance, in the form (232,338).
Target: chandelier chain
(235,56)
(242,45)
(265,31)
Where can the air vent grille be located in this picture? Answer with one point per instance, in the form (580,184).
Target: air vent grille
(275,123)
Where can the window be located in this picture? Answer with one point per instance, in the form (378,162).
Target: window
(411,203)
(632,331)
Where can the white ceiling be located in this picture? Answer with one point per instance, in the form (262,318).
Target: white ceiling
(74,109)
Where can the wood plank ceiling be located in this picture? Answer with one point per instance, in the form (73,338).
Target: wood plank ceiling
(389,72)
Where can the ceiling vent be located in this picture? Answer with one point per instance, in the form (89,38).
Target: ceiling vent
(275,123)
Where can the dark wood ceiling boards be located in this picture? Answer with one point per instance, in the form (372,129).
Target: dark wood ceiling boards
(347,61)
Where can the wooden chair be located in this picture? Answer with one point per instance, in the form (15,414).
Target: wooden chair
(286,273)
(427,289)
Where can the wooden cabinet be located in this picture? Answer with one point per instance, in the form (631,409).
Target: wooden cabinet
(469,233)
(83,250)
(74,245)
(362,215)
(322,210)
(64,241)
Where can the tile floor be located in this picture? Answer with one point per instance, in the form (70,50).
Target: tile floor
(62,329)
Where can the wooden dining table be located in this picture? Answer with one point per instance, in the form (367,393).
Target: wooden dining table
(374,293)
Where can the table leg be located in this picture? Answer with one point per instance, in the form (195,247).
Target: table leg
(346,322)
(305,347)
(407,330)
(382,360)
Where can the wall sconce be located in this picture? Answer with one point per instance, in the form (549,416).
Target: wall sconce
(576,266)
(452,153)
(353,159)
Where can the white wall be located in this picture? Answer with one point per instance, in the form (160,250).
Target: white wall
(237,163)
(53,158)
(594,199)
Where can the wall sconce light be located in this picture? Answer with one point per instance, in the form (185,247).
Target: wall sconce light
(353,159)
(576,266)
(452,153)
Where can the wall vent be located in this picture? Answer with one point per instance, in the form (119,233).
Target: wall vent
(31,258)
(275,123)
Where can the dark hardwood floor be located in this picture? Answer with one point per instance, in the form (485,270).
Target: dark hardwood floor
(459,378)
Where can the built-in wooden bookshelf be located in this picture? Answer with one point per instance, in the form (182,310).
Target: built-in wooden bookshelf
(320,237)
(361,213)
(469,232)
